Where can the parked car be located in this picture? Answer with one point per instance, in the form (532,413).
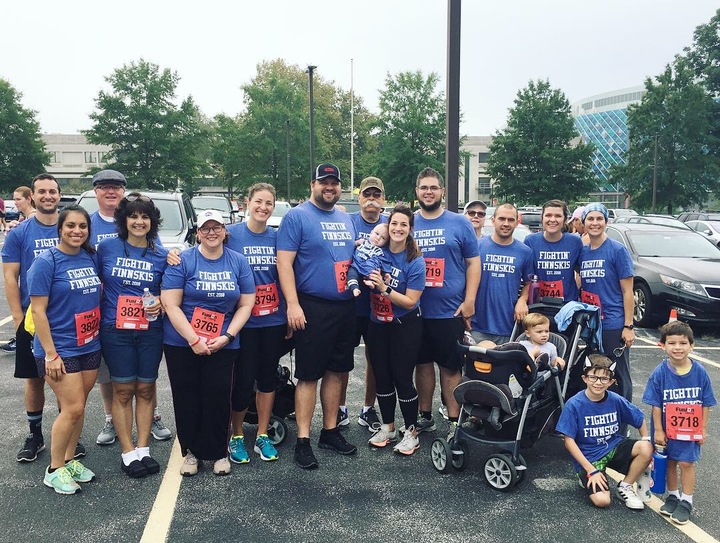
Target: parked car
(66,200)
(709,229)
(11,212)
(281,209)
(531,218)
(222,204)
(652,219)
(699,216)
(520,233)
(350,206)
(179,220)
(615,213)
(674,269)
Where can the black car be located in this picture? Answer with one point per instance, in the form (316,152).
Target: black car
(674,269)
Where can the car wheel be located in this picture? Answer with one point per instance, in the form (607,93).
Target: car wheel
(643,305)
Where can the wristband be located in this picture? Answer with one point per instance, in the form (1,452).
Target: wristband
(53,359)
(194,342)
(645,438)
(593,473)
(229,336)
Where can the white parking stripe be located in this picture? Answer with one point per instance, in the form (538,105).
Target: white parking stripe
(5,321)
(161,515)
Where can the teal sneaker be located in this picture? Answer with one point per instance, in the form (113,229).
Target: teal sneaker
(61,481)
(265,448)
(237,450)
(80,473)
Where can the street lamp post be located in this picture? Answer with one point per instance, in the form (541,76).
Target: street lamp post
(287,157)
(310,70)
(654,188)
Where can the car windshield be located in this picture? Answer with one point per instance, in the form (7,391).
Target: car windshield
(172,223)
(625,212)
(210,202)
(675,243)
(281,209)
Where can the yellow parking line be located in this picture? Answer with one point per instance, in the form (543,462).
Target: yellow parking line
(161,515)
(692,530)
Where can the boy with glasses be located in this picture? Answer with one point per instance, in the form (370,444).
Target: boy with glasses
(591,424)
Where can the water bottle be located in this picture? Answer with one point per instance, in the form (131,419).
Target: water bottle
(148,300)
(534,294)
(659,470)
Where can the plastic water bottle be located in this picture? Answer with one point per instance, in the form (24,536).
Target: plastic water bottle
(148,300)
(659,470)
(534,294)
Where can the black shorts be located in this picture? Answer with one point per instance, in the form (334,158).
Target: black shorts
(260,352)
(439,342)
(361,329)
(618,459)
(25,367)
(328,341)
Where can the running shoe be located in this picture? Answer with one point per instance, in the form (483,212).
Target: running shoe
(237,450)
(334,440)
(671,504)
(135,470)
(627,494)
(422,425)
(222,466)
(342,417)
(408,445)
(443,411)
(151,465)
(383,436)
(79,451)
(681,515)
(61,481)
(190,465)
(80,473)
(369,419)
(107,435)
(265,448)
(304,456)
(10,346)
(33,445)
(159,431)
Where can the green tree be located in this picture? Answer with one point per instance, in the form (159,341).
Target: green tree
(678,112)
(538,156)
(22,150)
(704,54)
(154,141)
(410,132)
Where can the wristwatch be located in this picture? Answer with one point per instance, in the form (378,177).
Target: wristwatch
(387,291)
(229,336)
(629,326)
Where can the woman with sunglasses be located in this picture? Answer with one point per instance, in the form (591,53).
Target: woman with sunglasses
(65,299)
(208,298)
(131,335)
(476,211)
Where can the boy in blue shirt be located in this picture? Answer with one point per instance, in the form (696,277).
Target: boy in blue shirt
(680,393)
(591,424)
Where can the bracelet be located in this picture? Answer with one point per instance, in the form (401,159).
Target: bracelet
(645,438)
(593,473)
(53,359)
(194,342)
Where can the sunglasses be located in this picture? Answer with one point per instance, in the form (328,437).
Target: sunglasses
(471,213)
(134,196)
(618,352)
(374,194)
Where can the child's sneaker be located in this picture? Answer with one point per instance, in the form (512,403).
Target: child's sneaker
(681,515)
(61,481)
(627,494)
(671,504)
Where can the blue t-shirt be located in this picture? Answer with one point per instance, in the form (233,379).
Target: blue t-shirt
(259,251)
(504,268)
(666,386)
(601,270)
(215,285)
(73,287)
(324,242)
(403,275)
(101,229)
(555,262)
(23,244)
(127,270)
(363,229)
(367,258)
(595,426)
(445,242)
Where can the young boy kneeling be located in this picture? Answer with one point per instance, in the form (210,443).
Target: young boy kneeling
(590,423)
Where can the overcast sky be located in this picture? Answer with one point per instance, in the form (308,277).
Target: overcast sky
(57,53)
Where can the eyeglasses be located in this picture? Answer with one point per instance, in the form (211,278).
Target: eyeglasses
(213,229)
(618,352)
(135,196)
(595,378)
(105,188)
(471,213)
(426,189)
(374,194)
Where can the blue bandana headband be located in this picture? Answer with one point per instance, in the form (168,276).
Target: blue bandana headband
(595,206)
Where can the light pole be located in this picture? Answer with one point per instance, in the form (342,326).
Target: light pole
(452,120)
(287,157)
(310,70)
(654,188)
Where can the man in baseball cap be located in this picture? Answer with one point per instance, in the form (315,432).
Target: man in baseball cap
(327,170)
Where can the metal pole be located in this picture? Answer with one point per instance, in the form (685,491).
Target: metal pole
(312,124)
(654,188)
(287,157)
(352,133)
(452,142)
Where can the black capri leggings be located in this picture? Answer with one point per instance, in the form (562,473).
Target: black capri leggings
(394,349)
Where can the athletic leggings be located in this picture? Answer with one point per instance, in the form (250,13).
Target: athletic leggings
(393,348)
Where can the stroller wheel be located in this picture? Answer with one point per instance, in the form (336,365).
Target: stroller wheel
(441,454)
(277,430)
(460,455)
(500,472)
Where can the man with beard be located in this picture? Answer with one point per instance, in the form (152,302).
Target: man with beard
(372,200)
(315,245)
(506,263)
(452,274)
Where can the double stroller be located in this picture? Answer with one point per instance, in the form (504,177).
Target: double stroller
(510,404)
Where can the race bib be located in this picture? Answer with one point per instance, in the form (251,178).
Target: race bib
(551,289)
(683,421)
(267,300)
(434,272)
(207,324)
(130,314)
(87,326)
(341,274)
(592,299)
(381,307)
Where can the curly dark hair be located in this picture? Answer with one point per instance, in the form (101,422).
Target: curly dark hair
(137,203)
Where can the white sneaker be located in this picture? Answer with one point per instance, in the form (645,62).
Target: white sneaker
(383,436)
(627,494)
(222,466)
(190,465)
(409,444)
(443,411)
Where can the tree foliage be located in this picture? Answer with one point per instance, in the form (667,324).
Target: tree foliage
(22,150)
(538,156)
(410,131)
(154,140)
(704,55)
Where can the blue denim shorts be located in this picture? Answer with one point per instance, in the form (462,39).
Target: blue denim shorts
(132,355)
